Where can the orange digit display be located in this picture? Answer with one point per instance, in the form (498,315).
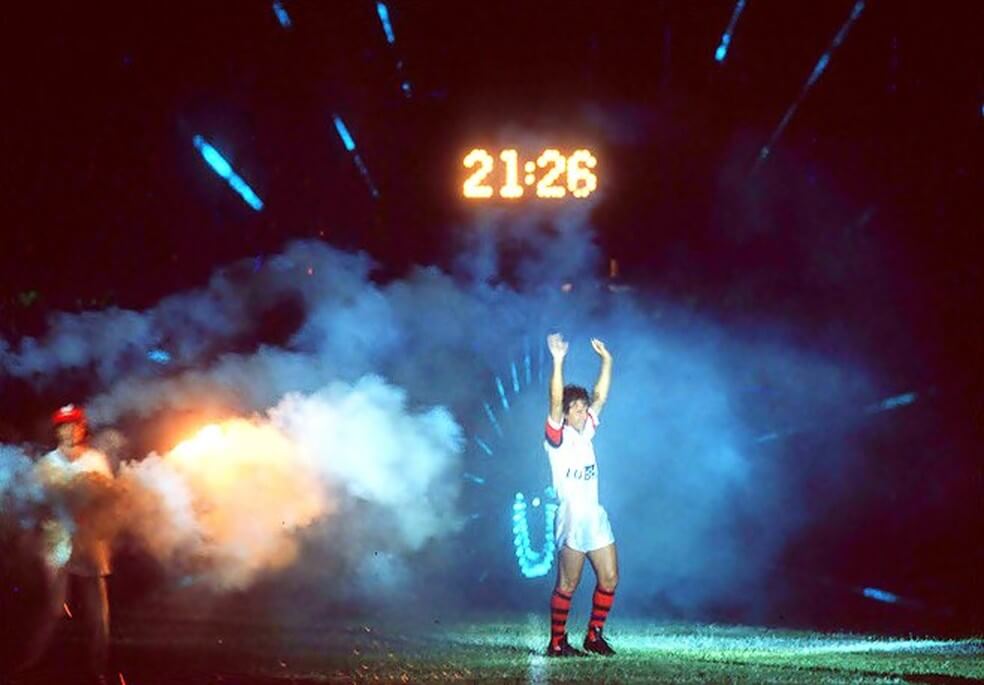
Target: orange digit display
(550,175)
(473,186)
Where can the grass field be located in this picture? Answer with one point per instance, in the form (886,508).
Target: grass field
(509,651)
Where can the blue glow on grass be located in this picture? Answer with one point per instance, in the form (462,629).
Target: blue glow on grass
(344,134)
(224,169)
(281,13)
(478,480)
(533,564)
(515,377)
(384,17)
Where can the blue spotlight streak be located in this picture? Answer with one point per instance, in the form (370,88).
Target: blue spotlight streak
(494,421)
(502,393)
(344,134)
(484,445)
(159,356)
(722,49)
(887,404)
(282,16)
(515,377)
(880,595)
(365,174)
(474,479)
(818,70)
(349,142)
(224,169)
(384,17)
(893,402)
(526,361)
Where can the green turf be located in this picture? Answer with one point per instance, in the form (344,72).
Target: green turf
(510,651)
(236,649)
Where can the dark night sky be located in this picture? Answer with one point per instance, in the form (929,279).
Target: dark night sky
(862,218)
(863,224)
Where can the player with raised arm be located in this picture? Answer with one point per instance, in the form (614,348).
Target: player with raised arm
(581,528)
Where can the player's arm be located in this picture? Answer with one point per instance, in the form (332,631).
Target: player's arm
(558,348)
(604,382)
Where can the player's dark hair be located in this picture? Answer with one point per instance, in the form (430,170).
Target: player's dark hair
(573,393)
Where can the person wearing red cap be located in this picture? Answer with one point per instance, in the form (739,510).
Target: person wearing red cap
(75,540)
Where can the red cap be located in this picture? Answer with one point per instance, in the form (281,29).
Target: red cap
(70,413)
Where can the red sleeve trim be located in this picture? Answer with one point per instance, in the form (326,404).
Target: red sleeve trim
(555,436)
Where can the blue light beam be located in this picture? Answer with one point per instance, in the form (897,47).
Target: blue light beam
(384,17)
(502,393)
(722,49)
(880,595)
(349,142)
(484,445)
(818,70)
(281,14)
(225,170)
(494,421)
(344,134)
(526,361)
(892,402)
(887,404)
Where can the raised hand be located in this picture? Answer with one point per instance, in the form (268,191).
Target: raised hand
(600,348)
(557,345)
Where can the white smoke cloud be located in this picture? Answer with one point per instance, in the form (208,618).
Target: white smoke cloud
(372,469)
(21,494)
(225,505)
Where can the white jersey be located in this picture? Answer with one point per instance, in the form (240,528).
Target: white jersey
(581,522)
(573,463)
(58,469)
(74,543)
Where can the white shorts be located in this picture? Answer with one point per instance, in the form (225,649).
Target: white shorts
(583,531)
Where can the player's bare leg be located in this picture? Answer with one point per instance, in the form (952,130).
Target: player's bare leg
(604,561)
(54,609)
(570,564)
(95,600)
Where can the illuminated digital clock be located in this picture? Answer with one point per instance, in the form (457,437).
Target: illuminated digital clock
(553,175)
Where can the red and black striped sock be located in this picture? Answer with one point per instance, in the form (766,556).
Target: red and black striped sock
(601,605)
(560,607)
